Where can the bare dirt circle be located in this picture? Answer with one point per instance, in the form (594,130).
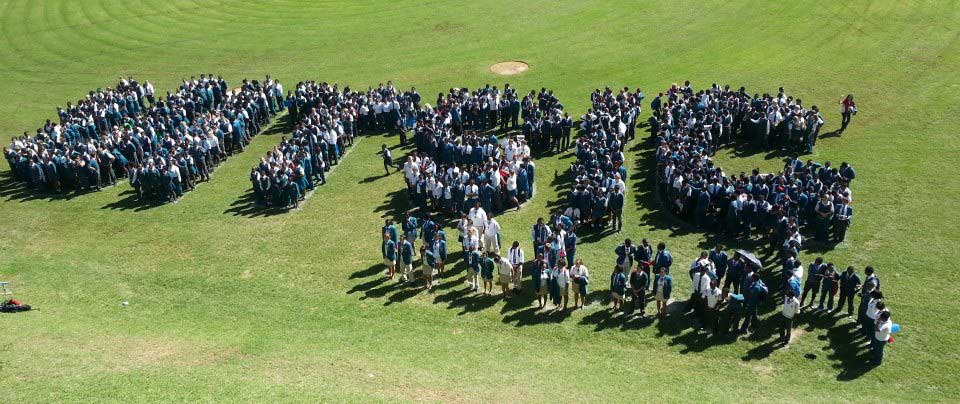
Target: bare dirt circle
(509,68)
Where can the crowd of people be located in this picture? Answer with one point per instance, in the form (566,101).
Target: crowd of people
(164,145)
(460,165)
(326,119)
(777,206)
(598,190)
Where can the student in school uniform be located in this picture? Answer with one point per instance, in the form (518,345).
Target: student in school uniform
(560,285)
(439,252)
(842,220)
(662,287)
(711,298)
(828,287)
(626,252)
(884,326)
(426,266)
(663,259)
(491,236)
(791,306)
(639,282)
(505,275)
(541,277)
(406,258)
(389,250)
(580,277)
(515,255)
(387,157)
(474,262)
(618,286)
(814,276)
(486,272)
(849,286)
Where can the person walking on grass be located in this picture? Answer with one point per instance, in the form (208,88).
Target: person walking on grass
(387,157)
(848,108)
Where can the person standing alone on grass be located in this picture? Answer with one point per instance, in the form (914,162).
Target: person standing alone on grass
(847,109)
(387,157)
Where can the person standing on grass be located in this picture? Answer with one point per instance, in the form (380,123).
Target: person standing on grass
(515,254)
(884,326)
(842,220)
(625,255)
(812,285)
(559,285)
(874,308)
(790,308)
(409,227)
(580,278)
(663,259)
(618,286)
(486,272)
(541,277)
(662,287)
(615,207)
(505,275)
(406,258)
(711,301)
(756,293)
(474,262)
(719,258)
(426,266)
(847,109)
(390,229)
(639,282)
(828,287)
(439,252)
(491,236)
(389,250)
(849,286)
(540,234)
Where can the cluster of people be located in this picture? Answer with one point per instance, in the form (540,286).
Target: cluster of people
(186,135)
(76,151)
(457,167)
(164,145)
(717,116)
(598,192)
(327,119)
(776,205)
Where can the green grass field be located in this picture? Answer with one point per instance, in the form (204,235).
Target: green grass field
(228,305)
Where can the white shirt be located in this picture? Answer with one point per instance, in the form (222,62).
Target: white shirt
(505,267)
(872,311)
(790,306)
(579,270)
(713,296)
(883,331)
(516,256)
(478,216)
(562,276)
(492,228)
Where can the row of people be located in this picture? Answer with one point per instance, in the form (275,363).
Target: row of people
(191,131)
(326,120)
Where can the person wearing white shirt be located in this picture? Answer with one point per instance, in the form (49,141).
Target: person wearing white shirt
(515,254)
(580,277)
(477,215)
(791,306)
(561,276)
(884,327)
(505,275)
(711,297)
(491,233)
